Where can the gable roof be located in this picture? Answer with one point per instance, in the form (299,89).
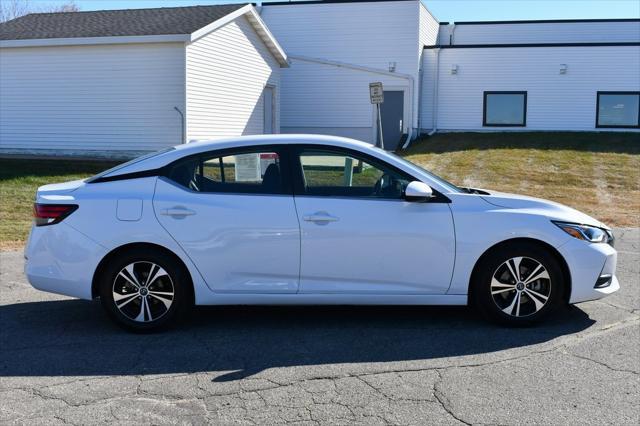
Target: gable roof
(112,23)
(167,24)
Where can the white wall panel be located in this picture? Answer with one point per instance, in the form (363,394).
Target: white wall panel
(555,101)
(367,34)
(370,34)
(317,96)
(561,32)
(227,71)
(91,98)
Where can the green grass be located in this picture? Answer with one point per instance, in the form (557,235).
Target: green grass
(19,179)
(598,173)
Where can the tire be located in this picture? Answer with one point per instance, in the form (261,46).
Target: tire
(141,306)
(518,284)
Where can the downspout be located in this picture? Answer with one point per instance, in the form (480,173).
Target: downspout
(181,123)
(434,109)
(419,122)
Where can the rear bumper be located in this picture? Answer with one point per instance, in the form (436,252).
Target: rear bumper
(59,259)
(587,263)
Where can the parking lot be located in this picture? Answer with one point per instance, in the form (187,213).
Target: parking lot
(62,361)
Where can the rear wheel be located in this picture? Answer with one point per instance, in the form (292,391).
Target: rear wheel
(144,291)
(518,284)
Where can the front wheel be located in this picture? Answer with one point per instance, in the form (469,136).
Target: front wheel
(144,290)
(518,284)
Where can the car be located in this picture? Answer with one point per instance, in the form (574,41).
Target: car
(307,220)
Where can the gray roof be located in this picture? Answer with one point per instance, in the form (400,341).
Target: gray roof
(110,23)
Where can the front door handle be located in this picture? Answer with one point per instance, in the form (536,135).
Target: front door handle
(320,217)
(178,212)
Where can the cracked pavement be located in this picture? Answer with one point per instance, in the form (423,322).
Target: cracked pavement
(62,361)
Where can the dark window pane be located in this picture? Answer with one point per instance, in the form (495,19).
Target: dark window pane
(618,110)
(504,109)
(244,172)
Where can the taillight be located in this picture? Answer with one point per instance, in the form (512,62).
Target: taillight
(48,214)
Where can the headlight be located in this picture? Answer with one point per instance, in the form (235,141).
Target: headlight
(591,234)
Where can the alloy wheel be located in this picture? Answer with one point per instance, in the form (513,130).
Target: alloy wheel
(143,291)
(520,286)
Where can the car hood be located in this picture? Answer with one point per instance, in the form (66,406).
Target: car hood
(551,209)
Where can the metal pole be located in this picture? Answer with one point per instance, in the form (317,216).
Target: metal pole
(380,127)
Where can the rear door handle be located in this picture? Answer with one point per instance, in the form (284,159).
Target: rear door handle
(321,217)
(178,212)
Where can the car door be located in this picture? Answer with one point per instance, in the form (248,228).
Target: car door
(233,214)
(358,233)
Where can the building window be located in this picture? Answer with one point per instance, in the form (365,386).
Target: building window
(505,109)
(618,109)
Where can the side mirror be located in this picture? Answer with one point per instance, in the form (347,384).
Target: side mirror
(418,192)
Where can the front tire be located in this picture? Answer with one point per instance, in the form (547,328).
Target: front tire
(144,290)
(518,284)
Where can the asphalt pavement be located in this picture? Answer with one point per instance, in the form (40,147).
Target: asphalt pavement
(62,361)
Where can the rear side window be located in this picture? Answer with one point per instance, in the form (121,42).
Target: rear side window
(242,172)
(128,163)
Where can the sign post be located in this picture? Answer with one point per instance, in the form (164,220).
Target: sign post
(376,94)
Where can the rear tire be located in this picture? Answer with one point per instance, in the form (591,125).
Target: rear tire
(145,290)
(518,284)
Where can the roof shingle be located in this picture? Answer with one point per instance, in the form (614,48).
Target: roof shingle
(111,23)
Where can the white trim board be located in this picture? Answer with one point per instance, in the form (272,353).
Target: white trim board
(252,16)
(44,42)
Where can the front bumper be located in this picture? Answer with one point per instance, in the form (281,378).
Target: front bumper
(587,263)
(60,259)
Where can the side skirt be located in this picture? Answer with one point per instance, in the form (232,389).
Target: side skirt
(331,299)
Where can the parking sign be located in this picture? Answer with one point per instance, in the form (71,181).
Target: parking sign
(376,93)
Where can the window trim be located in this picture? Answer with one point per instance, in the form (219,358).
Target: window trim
(297,174)
(615,126)
(484,108)
(280,149)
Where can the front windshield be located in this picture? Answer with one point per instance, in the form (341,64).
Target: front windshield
(128,163)
(446,184)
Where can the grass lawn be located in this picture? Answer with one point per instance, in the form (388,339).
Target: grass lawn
(598,173)
(19,180)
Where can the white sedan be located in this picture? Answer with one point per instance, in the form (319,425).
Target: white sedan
(299,219)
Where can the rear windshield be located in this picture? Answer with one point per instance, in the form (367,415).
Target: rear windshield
(128,163)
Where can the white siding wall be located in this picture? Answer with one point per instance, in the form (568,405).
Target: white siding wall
(428,88)
(555,101)
(428,36)
(87,99)
(227,71)
(330,100)
(429,27)
(368,34)
(562,32)
(327,99)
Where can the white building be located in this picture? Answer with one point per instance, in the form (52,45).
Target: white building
(451,77)
(92,82)
(136,80)
(336,49)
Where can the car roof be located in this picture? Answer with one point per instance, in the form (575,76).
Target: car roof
(279,139)
(168,156)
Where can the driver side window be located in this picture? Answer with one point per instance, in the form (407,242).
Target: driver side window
(327,173)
